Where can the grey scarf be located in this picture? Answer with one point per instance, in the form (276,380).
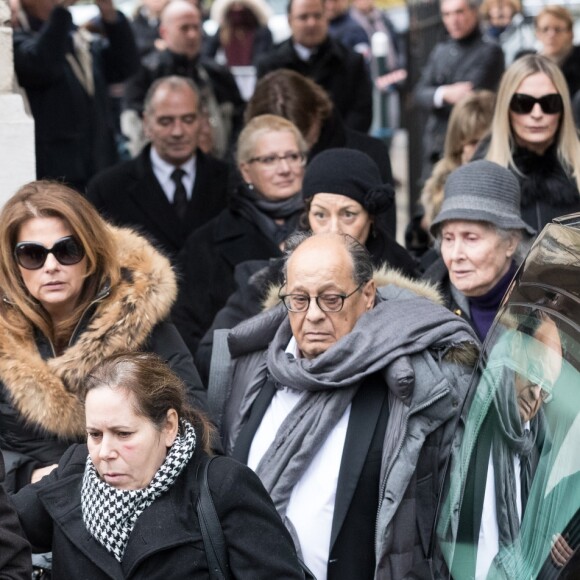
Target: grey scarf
(331,380)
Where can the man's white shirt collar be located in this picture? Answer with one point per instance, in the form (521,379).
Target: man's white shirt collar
(303,52)
(163,171)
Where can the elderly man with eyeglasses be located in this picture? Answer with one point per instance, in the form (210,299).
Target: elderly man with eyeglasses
(343,398)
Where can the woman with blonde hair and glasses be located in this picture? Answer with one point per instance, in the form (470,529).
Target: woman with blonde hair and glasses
(74,290)
(533,135)
(263,212)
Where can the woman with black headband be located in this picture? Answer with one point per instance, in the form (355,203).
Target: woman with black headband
(533,135)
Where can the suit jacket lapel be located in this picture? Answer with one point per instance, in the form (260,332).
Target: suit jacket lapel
(364,415)
(150,197)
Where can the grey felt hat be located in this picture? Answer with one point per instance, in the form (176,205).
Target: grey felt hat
(482,191)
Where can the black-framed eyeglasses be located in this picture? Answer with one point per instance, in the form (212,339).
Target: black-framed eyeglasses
(32,255)
(294,159)
(523,104)
(326,302)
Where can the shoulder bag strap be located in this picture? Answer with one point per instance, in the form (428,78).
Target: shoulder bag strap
(211,530)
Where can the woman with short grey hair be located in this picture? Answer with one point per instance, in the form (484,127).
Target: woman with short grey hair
(479,230)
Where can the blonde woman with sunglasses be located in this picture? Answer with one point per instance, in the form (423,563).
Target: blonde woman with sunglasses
(533,135)
(74,290)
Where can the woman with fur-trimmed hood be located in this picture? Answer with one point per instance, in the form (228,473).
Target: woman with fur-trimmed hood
(74,291)
(243,34)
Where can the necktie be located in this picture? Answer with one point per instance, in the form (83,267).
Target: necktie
(180,195)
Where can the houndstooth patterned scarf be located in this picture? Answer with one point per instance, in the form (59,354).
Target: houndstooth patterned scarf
(110,514)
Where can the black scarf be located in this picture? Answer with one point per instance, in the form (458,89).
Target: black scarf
(263,212)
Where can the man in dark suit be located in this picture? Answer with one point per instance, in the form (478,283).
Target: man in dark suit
(171,188)
(314,54)
(352,457)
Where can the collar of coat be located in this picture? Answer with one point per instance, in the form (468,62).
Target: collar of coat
(46,392)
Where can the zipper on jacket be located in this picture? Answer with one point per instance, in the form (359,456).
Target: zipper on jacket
(398,450)
(75,330)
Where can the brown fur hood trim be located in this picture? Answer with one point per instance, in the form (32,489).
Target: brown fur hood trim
(383,276)
(46,393)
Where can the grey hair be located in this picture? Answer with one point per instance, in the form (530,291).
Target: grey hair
(362,266)
(173,83)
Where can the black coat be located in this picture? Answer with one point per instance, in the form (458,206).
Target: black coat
(207,264)
(474,59)
(166,542)
(130,195)
(548,191)
(337,69)
(74,132)
(15,563)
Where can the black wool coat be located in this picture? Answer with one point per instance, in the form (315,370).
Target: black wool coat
(207,264)
(337,69)
(74,132)
(166,541)
(130,195)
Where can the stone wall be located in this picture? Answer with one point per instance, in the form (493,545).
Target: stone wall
(17,161)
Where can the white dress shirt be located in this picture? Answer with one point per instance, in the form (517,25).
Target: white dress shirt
(163,171)
(311,506)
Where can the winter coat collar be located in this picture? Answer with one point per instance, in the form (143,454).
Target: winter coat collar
(46,392)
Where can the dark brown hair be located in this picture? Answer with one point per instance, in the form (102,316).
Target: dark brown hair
(290,95)
(154,386)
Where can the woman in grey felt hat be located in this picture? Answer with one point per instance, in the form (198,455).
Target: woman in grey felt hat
(479,230)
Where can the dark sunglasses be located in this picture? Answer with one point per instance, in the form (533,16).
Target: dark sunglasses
(32,255)
(523,104)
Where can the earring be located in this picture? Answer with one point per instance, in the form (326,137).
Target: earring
(250,186)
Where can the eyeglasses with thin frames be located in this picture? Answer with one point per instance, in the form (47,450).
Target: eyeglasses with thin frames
(295,160)
(326,302)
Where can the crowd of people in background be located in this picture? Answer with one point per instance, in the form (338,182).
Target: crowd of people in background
(193,236)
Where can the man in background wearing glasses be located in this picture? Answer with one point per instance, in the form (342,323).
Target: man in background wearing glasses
(343,399)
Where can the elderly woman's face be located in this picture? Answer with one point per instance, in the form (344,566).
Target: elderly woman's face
(56,286)
(537,129)
(126,449)
(331,212)
(276,167)
(476,256)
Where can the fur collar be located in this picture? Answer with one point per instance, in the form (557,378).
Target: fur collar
(543,178)
(383,277)
(46,392)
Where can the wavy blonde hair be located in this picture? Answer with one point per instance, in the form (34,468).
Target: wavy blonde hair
(49,199)
(503,141)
